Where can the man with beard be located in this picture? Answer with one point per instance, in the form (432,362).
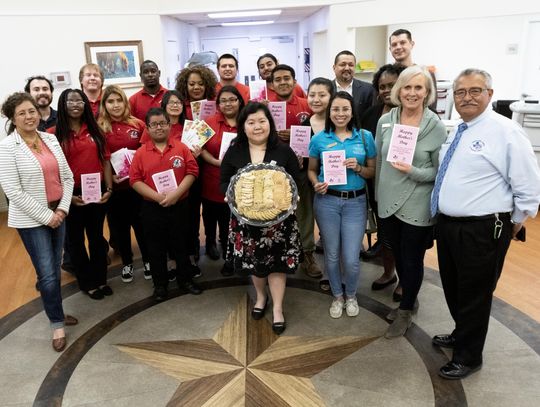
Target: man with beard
(362,92)
(41,89)
(152,92)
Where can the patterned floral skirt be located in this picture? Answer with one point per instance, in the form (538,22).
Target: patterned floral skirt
(260,251)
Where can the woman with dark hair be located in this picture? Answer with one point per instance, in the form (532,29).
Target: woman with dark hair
(87,153)
(340,210)
(122,130)
(383,82)
(215,210)
(36,179)
(173,105)
(265,253)
(194,84)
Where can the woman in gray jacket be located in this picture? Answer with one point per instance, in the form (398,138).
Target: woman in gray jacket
(403,190)
(37,180)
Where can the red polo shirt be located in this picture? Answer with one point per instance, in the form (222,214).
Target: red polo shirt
(273,97)
(243,89)
(210,173)
(176,133)
(82,154)
(125,135)
(141,102)
(149,160)
(297,110)
(95,105)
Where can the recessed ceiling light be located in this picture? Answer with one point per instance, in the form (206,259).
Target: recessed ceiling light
(236,14)
(262,22)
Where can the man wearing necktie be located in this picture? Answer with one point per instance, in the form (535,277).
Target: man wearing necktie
(488,184)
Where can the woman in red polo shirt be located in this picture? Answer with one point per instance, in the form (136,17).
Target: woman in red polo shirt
(122,130)
(215,210)
(173,105)
(195,84)
(86,153)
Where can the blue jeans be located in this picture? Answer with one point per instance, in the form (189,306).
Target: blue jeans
(44,245)
(342,223)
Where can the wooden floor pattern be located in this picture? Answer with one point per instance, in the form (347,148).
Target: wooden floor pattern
(519,284)
(245,363)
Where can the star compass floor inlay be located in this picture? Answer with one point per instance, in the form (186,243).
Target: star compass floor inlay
(246,363)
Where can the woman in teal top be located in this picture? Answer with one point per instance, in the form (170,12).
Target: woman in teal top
(403,191)
(340,210)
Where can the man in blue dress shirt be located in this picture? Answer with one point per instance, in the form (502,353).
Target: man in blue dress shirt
(487,186)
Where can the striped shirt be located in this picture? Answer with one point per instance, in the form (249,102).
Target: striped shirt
(22,180)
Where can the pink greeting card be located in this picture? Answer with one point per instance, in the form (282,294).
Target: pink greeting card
(196,108)
(279,113)
(121,161)
(165,181)
(402,144)
(91,187)
(257,90)
(300,138)
(225,143)
(208,109)
(334,172)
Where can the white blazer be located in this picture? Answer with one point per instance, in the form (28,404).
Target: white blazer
(23,182)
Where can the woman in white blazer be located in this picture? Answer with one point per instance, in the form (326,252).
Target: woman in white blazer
(37,181)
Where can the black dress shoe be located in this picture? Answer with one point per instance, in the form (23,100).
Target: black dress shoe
(373,251)
(191,287)
(279,327)
(95,294)
(258,313)
(106,290)
(375,286)
(444,341)
(457,371)
(160,294)
(227,270)
(396,297)
(212,252)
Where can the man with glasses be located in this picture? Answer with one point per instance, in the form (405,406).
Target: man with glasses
(162,172)
(488,184)
(227,66)
(152,92)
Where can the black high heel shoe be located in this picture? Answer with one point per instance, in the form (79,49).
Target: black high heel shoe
(258,313)
(279,327)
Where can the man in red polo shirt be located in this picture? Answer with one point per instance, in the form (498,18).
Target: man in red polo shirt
(91,79)
(162,172)
(298,111)
(152,92)
(227,66)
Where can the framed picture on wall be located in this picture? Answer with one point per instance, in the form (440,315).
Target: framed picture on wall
(119,61)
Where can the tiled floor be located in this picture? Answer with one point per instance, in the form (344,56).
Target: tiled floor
(401,372)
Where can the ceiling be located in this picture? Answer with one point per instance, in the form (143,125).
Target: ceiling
(288,15)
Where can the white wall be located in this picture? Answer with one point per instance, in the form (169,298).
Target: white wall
(486,50)
(43,44)
(315,28)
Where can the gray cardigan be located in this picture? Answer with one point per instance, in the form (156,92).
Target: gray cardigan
(408,196)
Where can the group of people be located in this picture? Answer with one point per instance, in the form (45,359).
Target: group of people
(478,193)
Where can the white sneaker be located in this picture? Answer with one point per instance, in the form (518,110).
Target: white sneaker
(336,309)
(147,273)
(127,273)
(351,307)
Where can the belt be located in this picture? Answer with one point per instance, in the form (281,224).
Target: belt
(53,205)
(346,194)
(472,218)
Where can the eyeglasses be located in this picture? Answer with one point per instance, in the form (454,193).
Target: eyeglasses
(473,92)
(228,101)
(75,103)
(174,103)
(155,125)
(341,110)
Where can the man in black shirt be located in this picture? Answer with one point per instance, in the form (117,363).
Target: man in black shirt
(41,89)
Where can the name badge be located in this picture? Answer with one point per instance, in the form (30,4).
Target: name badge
(331,145)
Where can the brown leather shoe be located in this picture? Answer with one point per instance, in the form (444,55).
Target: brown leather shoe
(310,266)
(59,344)
(70,320)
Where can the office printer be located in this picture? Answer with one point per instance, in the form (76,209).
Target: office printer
(527,114)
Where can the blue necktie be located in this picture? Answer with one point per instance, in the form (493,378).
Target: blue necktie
(442,169)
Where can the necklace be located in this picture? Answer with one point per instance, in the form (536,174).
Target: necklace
(34,144)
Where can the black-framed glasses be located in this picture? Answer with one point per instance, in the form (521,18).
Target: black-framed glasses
(75,103)
(155,125)
(473,92)
(174,103)
(228,101)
